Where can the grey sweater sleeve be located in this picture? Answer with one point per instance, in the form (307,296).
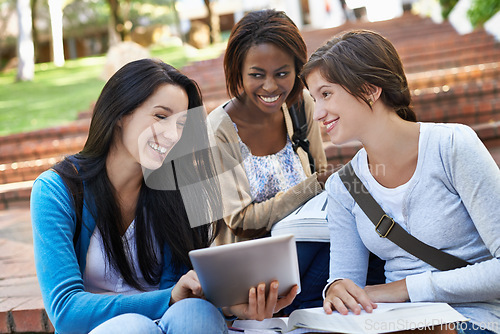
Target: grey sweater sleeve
(476,178)
(348,254)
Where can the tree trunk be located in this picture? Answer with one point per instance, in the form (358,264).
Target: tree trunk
(118,22)
(25,48)
(56,24)
(213,23)
(34,13)
(177,21)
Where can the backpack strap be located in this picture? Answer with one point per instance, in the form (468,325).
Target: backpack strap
(76,189)
(299,138)
(386,227)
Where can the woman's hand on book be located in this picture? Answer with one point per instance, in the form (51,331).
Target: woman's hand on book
(259,306)
(394,292)
(344,296)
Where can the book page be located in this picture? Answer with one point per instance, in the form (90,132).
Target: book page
(311,214)
(272,323)
(315,208)
(387,317)
(268,326)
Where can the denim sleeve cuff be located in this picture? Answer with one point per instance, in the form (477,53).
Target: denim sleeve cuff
(420,287)
(230,318)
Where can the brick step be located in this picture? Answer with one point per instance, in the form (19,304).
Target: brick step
(21,307)
(13,193)
(470,103)
(464,101)
(448,61)
(207,73)
(467,102)
(489,134)
(470,113)
(76,127)
(409,41)
(339,155)
(206,64)
(444,72)
(212,81)
(16,183)
(31,149)
(403,27)
(21,171)
(421,82)
(403,30)
(444,50)
(439,41)
(212,104)
(428,81)
(24,315)
(453,75)
(24,156)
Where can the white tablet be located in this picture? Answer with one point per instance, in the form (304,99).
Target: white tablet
(227,272)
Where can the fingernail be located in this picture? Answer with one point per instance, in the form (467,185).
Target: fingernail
(275,285)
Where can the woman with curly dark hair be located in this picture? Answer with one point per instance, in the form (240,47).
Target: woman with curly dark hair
(271,176)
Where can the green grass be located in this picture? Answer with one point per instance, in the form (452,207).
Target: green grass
(54,97)
(57,95)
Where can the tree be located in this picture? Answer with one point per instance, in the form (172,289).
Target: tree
(213,22)
(447,7)
(25,47)
(173,8)
(121,25)
(56,24)
(34,13)
(482,11)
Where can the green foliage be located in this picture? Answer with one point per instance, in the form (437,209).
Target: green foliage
(148,13)
(446,7)
(482,10)
(82,14)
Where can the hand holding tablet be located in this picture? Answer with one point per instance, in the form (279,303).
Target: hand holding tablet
(227,273)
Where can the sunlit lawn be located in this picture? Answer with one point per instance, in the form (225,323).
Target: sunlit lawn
(57,95)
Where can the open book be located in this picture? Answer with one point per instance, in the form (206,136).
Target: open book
(311,214)
(387,317)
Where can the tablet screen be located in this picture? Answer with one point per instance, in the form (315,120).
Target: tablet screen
(227,272)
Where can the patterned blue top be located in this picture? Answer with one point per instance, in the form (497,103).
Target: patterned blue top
(273,173)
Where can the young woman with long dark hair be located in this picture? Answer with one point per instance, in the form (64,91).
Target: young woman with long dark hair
(112,225)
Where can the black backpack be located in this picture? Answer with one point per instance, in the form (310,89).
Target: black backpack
(299,138)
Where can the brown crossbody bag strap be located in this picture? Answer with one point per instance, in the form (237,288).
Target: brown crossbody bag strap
(386,227)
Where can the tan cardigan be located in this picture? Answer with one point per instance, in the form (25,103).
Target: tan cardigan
(245,219)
